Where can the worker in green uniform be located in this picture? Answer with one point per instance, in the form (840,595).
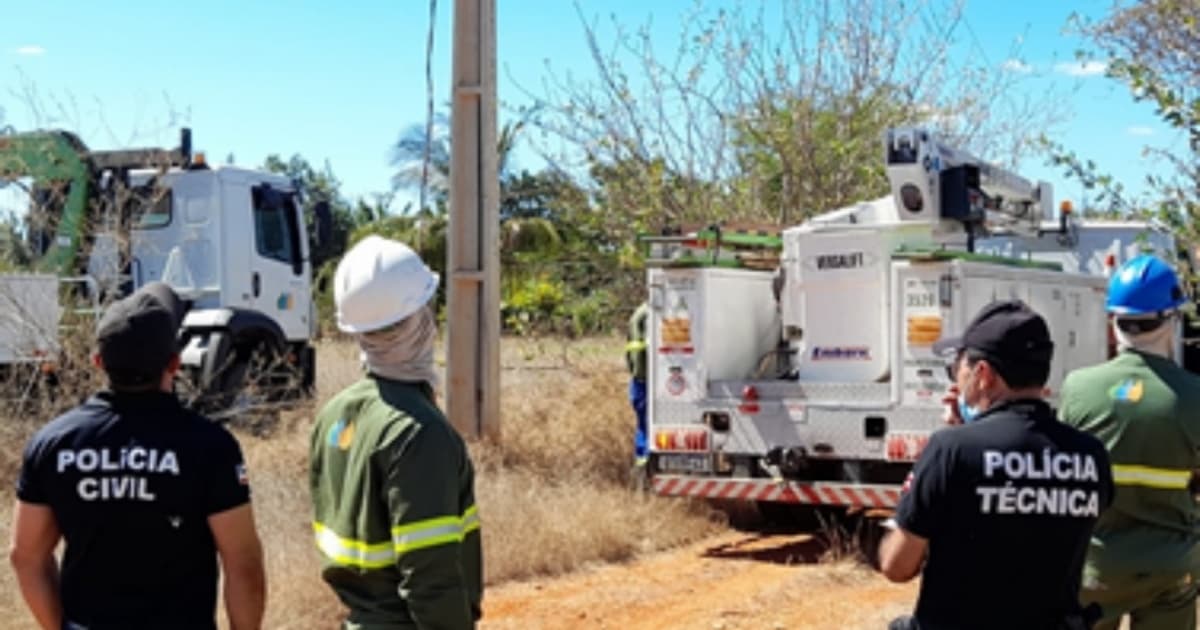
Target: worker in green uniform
(635,361)
(392,482)
(1144,556)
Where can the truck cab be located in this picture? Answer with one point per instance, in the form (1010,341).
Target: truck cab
(228,238)
(232,243)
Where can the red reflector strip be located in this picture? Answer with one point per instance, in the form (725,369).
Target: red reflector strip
(748,408)
(818,493)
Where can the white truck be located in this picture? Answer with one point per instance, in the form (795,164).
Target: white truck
(823,388)
(232,242)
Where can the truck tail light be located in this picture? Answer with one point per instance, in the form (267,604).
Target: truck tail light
(905,446)
(749,400)
(685,439)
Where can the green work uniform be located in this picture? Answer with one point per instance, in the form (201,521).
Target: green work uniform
(1144,557)
(394,509)
(635,346)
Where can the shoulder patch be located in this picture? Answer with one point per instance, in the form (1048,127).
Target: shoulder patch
(1130,390)
(341,434)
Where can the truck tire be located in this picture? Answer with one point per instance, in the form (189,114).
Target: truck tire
(218,354)
(235,378)
(869,535)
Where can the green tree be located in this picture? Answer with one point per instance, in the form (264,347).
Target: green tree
(319,186)
(775,112)
(419,158)
(1151,48)
(531,204)
(551,279)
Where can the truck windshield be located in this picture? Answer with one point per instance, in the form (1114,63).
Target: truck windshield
(151,206)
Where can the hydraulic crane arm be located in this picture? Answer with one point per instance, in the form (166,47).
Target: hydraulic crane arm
(935,182)
(57,161)
(68,179)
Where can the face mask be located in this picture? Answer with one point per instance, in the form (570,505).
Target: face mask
(967,412)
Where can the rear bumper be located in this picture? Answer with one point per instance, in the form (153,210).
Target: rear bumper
(879,496)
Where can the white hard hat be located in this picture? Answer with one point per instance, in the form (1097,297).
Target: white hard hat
(380,282)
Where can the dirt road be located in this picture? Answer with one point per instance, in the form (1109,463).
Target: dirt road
(734,580)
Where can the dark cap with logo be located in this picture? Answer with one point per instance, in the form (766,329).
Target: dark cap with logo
(1010,336)
(138,336)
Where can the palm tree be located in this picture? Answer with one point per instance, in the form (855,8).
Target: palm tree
(409,154)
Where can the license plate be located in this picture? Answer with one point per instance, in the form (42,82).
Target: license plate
(701,463)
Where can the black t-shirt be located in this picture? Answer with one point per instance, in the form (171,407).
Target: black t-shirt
(132,479)
(1007,503)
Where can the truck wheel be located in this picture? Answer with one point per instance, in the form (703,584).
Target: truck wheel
(236,379)
(217,359)
(869,533)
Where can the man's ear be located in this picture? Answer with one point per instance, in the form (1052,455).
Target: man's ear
(97,361)
(174,365)
(992,378)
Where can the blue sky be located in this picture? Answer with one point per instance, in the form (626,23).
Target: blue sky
(339,81)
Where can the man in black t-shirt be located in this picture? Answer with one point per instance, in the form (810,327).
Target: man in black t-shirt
(1005,504)
(145,493)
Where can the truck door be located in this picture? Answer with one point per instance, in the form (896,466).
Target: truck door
(279,278)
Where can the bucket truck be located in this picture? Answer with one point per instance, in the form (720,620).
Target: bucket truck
(817,384)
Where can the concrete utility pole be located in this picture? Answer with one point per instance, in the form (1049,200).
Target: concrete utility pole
(473,354)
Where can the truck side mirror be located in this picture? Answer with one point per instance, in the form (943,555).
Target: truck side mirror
(322,224)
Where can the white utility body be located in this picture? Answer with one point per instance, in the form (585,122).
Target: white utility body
(826,393)
(29,316)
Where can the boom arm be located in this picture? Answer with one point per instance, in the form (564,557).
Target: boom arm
(934,182)
(59,162)
(54,159)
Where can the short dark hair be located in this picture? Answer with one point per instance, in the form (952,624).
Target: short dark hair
(1142,325)
(1012,338)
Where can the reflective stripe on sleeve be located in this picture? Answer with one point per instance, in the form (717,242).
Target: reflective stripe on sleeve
(353,553)
(435,531)
(349,552)
(428,533)
(635,346)
(1165,478)
(470,520)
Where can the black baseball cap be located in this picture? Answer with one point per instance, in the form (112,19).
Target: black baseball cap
(1011,337)
(139,335)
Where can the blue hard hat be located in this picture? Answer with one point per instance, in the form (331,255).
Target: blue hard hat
(1144,285)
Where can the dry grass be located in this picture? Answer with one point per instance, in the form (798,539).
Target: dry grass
(553,495)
